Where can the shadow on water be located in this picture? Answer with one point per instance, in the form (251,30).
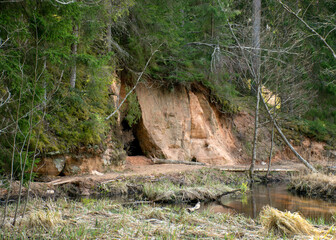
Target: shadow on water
(276,196)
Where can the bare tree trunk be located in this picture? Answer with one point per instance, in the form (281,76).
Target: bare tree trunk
(256,75)
(44,85)
(212,22)
(307,164)
(74,55)
(272,138)
(256,44)
(108,30)
(271,151)
(255,137)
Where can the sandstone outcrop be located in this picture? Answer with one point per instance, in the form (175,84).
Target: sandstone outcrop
(183,125)
(84,162)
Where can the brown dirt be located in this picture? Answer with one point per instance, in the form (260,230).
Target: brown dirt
(137,160)
(135,166)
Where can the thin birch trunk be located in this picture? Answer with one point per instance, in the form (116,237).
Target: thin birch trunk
(255,137)
(270,155)
(74,46)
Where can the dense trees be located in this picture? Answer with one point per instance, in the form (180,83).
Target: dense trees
(55,73)
(57,59)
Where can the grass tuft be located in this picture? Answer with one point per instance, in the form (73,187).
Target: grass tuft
(164,192)
(45,218)
(285,223)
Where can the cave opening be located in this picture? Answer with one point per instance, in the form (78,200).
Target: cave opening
(130,140)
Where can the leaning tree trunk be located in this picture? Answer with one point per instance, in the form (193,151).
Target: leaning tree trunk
(74,55)
(305,162)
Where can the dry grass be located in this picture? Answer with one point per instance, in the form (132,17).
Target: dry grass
(315,184)
(171,193)
(286,223)
(105,219)
(44,218)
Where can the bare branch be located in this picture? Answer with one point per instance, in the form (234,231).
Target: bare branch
(288,9)
(4,101)
(89,2)
(136,84)
(243,47)
(65,2)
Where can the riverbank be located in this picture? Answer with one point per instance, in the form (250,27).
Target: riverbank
(107,219)
(89,184)
(318,185)
(135,207)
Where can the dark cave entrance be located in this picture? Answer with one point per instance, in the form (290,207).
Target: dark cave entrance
(130,140)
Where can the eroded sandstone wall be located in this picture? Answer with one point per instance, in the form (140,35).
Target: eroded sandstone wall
(182,125)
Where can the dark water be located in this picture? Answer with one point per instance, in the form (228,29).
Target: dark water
(276,196)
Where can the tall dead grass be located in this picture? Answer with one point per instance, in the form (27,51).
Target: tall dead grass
(315,184)
(173,193)
(105,219)
(286,223)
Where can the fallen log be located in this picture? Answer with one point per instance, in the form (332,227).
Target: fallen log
(227,193)
(169,161)
(246,169)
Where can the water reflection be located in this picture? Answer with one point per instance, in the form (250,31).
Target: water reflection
(278,197)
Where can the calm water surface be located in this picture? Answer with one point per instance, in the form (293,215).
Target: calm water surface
(276,196)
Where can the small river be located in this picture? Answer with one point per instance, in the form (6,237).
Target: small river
(277,196)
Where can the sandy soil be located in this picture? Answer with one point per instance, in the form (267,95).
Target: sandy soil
(135,166)
(142,166)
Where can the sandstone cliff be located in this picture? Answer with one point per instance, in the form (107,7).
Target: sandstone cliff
(183,125)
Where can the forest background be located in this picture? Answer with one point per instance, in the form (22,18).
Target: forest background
(59,58)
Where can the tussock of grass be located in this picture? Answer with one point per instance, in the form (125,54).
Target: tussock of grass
(315,184)
(44,218)
(285,223)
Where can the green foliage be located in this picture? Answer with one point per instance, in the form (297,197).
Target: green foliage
(224,95)
(133,109)
(79,118)
(178,25)
(243,187)
(35,63)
